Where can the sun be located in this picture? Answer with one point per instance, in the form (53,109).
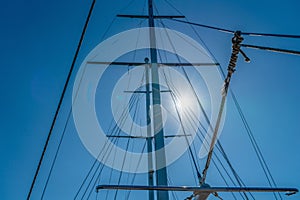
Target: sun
(185,103)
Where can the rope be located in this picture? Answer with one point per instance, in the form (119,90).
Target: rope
(236,41)
(180,120)
(56,154)
(272,49)
(238,179)
(61,100)
(242,33)
(179,117)
(205,26)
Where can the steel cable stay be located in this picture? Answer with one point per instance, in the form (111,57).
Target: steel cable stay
(221,150)
(266,48)
(183,129)
(114,141)
(133,101)
(279,194)
(254,144)
(195,94)
(134,175)
(232,32)
(236,103)
(222,71)
(218,159)
(236,50)
(58,109)
(272,49)
(131,149)
(126,150)
(116,138)
(201,141)
(62,137)
(174,93)
(170,182)
(95,162)
(192,118)
(105,155)
(61,99)
(111,120)
(179,118)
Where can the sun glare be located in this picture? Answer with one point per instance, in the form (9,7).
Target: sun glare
(185,103)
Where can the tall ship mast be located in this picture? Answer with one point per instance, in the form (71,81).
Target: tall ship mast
(174,122)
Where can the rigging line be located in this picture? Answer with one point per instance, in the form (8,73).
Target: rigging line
(114,19)
(93,176)
(216,156)
(206,117)
(101,168)
(272,35)
(63,134)
(172,192)
(202,179)
(104,155)
(254,143)
(237,177)
(115,126)
(97,178)
(218,142)
(242,33)
(56,154)
(252,139)
(190,83)
(184,131)
(61,100)
(172,96)
(218,159)
(272,49)
(108,28)
(130,161)
(202,141)
(200,104)
(144,7)
(187,41)
(170,4)
(215,60)
(127,6)
(236,40)
(205,26)
(111,172)
(138,164)
(121,172)
(127,145)
(223,74)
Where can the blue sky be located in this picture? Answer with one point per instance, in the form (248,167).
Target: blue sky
(38,41)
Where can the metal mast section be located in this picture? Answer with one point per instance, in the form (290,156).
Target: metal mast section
(149,133)
(159,143)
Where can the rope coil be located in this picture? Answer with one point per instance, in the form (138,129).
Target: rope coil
(236,48)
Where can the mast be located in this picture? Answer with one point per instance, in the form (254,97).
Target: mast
(160,156)
(149,133)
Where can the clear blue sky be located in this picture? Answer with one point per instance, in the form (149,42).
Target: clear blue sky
(37,43)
